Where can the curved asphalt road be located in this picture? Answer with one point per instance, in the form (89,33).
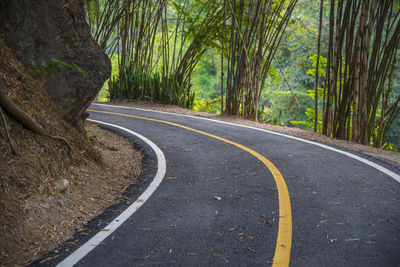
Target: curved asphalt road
(344,212)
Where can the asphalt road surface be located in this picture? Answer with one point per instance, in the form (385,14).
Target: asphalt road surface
(222,203)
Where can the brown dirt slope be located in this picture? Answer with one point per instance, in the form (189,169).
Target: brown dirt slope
(35,217)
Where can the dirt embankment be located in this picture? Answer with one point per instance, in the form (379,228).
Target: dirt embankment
(36,216)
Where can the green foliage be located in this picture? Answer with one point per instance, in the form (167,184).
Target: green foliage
(44,68)
(279,107)
(393,135)
(309,123)
(321,66)
(205,78)
(273,75)
(104,94)
(311,93)
(208,105)
(157,87)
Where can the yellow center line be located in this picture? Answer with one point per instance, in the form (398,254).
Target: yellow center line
(284,238)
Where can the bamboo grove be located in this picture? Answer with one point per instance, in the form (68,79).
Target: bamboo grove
(158,44)
(364,37)
(251,44)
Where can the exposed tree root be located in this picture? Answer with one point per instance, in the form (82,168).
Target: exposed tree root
(26,120)
(8,135)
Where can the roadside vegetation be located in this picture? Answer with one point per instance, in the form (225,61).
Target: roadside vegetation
(324,66)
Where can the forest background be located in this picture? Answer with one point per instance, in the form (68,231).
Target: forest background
(259,60)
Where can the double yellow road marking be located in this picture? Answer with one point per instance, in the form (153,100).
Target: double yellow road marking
(284,238)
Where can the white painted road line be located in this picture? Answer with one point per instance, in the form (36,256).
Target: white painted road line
(81,252)
(368,162)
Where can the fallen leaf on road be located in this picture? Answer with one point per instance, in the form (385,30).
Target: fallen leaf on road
(105,230)
(250,249)
(217,198)
(367,242)
(351,239)
(214,178)
(263,222)
(241,176)
(234,197)
(145,229)
(241,238)
(218,255)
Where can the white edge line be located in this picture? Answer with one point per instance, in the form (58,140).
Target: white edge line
(368,162)
(96,240)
